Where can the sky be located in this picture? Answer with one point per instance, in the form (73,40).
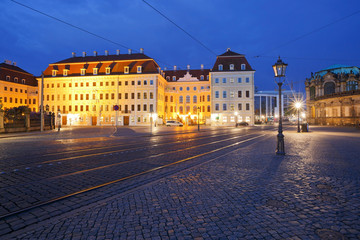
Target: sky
(307,35)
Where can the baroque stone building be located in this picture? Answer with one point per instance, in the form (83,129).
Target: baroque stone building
(333,96)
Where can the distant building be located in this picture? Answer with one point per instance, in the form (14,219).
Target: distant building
(333,96)
(232,90)
(17,87)
(267,102)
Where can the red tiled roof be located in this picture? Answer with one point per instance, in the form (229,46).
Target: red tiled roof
(181,73)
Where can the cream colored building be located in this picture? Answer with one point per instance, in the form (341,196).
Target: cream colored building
(232,90)
(17,87)
(87,90)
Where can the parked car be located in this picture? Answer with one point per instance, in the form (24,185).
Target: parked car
(242,124)
(173,123)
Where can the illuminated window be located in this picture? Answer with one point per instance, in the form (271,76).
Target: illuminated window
(126,69)
(187,99)
(107,70)
(65,72)
(54,73)
(225,119)
(231,80)
(139,69)
(95,71)
(23,81)
(181,99)
(83,70)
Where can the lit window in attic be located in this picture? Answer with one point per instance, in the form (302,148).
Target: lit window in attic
(95,71)
(65,73)
(54,73)
(139,69)
(83,70)
(126,69)
(107,70)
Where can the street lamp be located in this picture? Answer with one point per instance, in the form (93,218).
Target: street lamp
(279,70)
(298,106)
(198,108)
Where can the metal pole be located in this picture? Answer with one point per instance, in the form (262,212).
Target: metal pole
(298,110)
(280,150)
(198,120)
(42,104)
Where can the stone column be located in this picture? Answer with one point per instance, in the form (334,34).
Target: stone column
(2,129)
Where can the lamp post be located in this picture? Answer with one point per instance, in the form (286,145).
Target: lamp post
(279,70)
(198,112)
(298,106)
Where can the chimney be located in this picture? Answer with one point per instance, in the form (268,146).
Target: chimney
(129,51)
(95,53)
(118,52)
(142,50)
(202,66)
(188,67)
(14,64)
(84,54)
(228,49)
(175,68)
(106,52)
(73,54)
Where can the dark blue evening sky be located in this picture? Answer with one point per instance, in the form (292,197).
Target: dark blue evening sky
(250,27)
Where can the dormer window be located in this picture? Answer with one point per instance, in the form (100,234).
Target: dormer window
(82,71)
(168,78)
(139,69)
(174,78)
(220,67)
(7,78)
(107,70)
(54,73)
(65,72)
(202,77)
(231,67)
(23,81)
(126,69)
(16,79)
(243,66)
(95,71)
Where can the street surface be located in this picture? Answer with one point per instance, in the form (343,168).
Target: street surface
(178,183)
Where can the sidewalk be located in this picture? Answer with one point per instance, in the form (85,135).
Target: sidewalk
(313,192)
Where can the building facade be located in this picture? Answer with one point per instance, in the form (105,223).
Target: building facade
(333,96)
(232,90)
(17,87)
(131,89)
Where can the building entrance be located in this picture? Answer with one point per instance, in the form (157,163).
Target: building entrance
(93,121)
(126,120)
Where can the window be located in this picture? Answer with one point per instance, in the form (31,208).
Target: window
(82,71)
(247,80)
(126,70)
(216,80)
(145,82)
(224,80)
(220,67)
(181,99)
(187,89)
(54,73)
(132,107)
(87,97)
(151,95)
(187,99)
(224,118)
(145,95)
(247,94)
(126,95)
(113,95)
(208,98)
(195,99)
(329,88)
(224,94)
(195,88)
(231,80)
(239,80)
(243,66)
(181,89)
(167,78)
(247,106)
(138,95)
(224,106)
(239,106)
(231,94)
(139,83)
(133,83)
(95,71)
(239,94)
(231,66)
(352,85)
(174,78)
(139,68)
(202,77)
(216,94)
(217,107)
(312,93)
(7,78)
(181,109)
(107,70)
(145,108)
(232,107)
(119,96)
(171,99)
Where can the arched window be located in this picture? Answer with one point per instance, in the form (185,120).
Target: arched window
(220,67)
(329,88)
(171,99)
(194,109)
(208,98)
(312,93)
(181,109)
(352,85)
(231,66)
(187,109)
(166,98)
(187,99)
(195,99)
(171,109)
(181,99)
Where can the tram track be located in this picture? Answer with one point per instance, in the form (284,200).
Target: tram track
(121,179)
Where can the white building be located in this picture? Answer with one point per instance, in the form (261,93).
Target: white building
(232,90)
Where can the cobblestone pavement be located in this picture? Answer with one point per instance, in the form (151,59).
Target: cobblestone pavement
(311,193)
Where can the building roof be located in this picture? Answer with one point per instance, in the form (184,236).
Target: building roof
(116,64)
(230,57)
(15,72)
(339,69)
(195,73)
